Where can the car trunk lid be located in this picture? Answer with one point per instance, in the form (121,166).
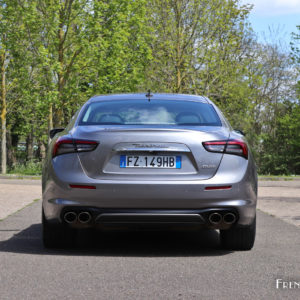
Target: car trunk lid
(109,161)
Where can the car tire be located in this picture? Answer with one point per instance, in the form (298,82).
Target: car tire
(239,238)
(56,235)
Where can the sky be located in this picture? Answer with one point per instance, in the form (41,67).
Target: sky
(281,16)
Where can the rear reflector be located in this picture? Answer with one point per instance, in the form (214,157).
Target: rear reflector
(220,187)
(76,186)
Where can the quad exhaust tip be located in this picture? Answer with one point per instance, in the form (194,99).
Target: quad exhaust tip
(215,218)
(229,218)
(70,217)
(84,217)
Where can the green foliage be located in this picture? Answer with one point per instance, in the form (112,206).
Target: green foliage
(202,47)
(282,149)
(28,168)
(208,48)
(61,52)
(74,49)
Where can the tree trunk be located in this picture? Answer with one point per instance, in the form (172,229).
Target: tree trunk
(12,143)
(178,65)
(60,74)
(29,147)
(3,114)
(50,121)
(41,151)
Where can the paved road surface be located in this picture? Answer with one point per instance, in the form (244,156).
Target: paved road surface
(144,265)
(281,199)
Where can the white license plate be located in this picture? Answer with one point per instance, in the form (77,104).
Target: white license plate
(148,161)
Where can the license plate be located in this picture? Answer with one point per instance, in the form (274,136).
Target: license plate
(148,161)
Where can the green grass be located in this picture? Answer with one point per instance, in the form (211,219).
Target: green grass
(279,177)
(29,168)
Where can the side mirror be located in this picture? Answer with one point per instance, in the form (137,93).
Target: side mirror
(54,131)
(240,132)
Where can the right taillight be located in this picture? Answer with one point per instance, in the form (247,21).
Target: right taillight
(65,145)
(235,147)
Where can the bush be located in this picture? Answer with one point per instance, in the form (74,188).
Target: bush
(28,168)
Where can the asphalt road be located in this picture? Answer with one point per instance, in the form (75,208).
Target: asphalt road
(280,199)
(146,265)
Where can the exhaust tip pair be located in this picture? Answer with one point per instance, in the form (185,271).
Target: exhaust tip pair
(216,218)
(83,217)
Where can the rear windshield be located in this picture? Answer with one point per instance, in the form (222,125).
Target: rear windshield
(154,112)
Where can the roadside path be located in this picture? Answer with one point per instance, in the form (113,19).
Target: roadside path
(16,194)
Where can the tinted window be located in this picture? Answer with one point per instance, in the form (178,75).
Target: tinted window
(155,112)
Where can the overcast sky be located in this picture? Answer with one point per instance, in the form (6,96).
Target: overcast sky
(281,15)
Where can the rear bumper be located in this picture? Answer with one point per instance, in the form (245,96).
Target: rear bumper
(221,218)
(171,196)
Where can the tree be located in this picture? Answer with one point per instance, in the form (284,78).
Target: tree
(3,63)
(201,47)
(276,110)
(61,52)
(6,35)
(82,47)
(56,54)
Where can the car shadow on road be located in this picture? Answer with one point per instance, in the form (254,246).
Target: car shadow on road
(127,243)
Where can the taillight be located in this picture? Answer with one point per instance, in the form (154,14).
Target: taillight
(68,145)
(235,147)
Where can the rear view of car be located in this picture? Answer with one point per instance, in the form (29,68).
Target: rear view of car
(161,160)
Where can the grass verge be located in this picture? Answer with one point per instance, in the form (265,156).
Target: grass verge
(278,177)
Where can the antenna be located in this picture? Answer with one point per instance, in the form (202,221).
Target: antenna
(149,95)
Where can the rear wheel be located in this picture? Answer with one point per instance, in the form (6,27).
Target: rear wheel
(239,238)
(57,235)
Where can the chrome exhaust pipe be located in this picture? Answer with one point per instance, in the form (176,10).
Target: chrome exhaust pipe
(215,218)
(70,217)
(84,217)
(229,218)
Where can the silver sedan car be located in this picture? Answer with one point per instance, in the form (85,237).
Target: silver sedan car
(149,160)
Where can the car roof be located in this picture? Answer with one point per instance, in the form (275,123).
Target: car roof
(142,96)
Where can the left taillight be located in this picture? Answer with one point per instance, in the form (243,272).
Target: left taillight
(67,145)
(235,147)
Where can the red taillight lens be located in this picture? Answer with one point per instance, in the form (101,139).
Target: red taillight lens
(68,145)
(217,146)
(62,146)
(235,147)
